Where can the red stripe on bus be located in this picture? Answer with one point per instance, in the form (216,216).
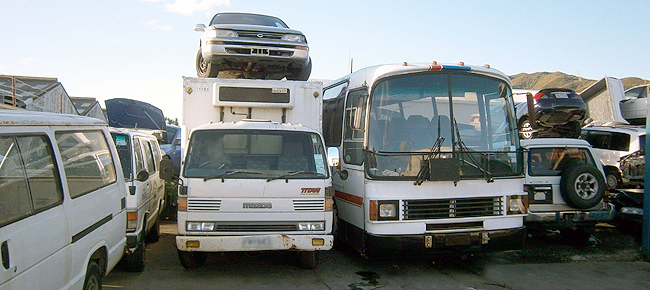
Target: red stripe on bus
(353,199)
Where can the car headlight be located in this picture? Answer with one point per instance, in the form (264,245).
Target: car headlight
(199,226)
(217,33)
(311,226)
(293,38)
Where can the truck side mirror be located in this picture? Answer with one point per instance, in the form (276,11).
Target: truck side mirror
(165,172)
(142,175)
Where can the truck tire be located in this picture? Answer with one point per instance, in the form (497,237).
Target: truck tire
(205,69)
(93,280)
(582,186)
(308,260)
(192,260)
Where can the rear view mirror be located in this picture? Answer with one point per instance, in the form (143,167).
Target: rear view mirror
(199,27)
(165,172)
(142,175)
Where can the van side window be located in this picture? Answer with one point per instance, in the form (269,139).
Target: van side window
(29,181)
(137,153)
(151,167)
(156,153)
(87,161)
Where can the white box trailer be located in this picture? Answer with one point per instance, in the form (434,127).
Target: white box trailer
(254,174)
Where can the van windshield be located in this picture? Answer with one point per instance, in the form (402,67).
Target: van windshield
(255,154)
(415,119)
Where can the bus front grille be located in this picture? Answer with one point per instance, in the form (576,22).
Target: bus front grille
(452,208)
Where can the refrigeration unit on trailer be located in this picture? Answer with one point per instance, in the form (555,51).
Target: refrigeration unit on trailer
(427,159)
(254,174)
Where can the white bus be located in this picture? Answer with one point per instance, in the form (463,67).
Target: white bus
(428,159)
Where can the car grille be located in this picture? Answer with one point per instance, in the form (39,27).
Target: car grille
(452,208)
(257,34)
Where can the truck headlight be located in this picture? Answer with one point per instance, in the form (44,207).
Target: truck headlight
(200,226)
(311,226)
(383,210)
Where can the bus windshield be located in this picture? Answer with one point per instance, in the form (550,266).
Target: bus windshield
(456,119)
(255,154)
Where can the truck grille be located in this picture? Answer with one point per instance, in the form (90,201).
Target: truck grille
(308,204)
(203,204)
(452,208)
(257,227)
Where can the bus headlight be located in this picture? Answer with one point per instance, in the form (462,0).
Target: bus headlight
(311,226)
(200,226)
(517,204)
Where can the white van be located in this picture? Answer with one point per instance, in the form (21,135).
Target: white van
(140,156)
(62,201)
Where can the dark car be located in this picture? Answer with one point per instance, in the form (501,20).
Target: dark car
(252,46)
(171,144)
(628,204)
(559,113)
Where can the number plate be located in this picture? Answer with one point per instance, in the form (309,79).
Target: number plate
(256,242)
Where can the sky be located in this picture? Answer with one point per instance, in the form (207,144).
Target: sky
(140,49)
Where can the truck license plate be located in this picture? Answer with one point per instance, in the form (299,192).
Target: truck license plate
(256,242)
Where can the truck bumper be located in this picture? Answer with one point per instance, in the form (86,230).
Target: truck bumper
(254,243)
(565,219)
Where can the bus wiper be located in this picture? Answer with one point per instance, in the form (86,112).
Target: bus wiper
(230,172)
(292,173)
(471,161)
(424,166)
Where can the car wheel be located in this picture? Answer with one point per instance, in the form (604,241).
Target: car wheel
(525,129)
(308,259)
(304,74)
(582,186)
(192,260)
(612,180)
(205,69)
(154,234)
(93,279)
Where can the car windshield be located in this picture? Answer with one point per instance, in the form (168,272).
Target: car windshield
(251,19)
(435,116)
(270,155)
(553,161)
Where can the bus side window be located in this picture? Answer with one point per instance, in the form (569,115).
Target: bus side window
(355,114)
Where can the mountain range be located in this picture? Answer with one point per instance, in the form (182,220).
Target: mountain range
(542,80)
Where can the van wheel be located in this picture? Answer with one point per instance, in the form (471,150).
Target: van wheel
(205,69)
(192,260)
(154,234)
(93,279)
(582,186)
(308,259)
(135,261)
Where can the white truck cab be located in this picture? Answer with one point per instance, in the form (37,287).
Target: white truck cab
(254,174)
(566,187)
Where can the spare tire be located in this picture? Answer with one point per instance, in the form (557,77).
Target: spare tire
(582,186)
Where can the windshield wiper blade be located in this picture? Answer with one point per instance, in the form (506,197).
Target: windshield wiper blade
(230,172)
(292,173)
(472,161)
(424,166)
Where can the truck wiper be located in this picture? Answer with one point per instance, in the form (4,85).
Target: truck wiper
(471,161)
(230,172)
(424,166)
(292,173)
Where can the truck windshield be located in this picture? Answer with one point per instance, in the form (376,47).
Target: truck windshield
(255,154)
(456,119)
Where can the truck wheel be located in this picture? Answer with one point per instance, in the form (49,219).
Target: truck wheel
(154,234)
(205,69)
(93,279)
(192,260)
(134,262)
(582,186)
(525,129)
(308,260)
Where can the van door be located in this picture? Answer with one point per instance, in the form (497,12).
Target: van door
(34,234)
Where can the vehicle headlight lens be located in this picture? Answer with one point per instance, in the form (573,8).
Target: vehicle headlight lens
(387,210)
(293,38)
(311,226)
(200,226)
(215,33)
